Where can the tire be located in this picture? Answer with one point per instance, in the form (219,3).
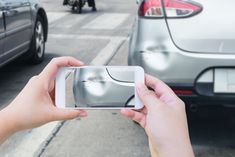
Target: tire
(94,9)
(35,54)
(79,6)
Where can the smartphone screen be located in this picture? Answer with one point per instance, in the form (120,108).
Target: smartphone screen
(100,87)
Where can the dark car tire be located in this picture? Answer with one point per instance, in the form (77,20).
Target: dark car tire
(79,6)
(35,54)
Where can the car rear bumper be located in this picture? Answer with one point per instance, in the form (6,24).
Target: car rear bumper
(181,72)
(197,99)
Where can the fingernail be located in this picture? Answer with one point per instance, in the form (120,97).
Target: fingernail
(82,114)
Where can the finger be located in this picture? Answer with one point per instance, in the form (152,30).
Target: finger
(148,97)
(52,95)
(136,116)
(55,64)
(143,110)
(68,114)
(160,88)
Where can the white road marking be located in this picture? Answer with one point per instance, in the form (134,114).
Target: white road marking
(32,142)
(106,54)
(78,37)
(54,16)
(106,21)
(72,20)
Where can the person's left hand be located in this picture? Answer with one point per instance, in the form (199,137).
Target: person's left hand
(35,105)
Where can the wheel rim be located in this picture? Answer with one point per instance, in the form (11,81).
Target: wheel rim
(39,39)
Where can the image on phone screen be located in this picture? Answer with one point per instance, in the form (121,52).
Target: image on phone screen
(100,87)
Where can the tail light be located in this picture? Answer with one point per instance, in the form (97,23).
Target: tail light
(151,8)
(183,92)
(169,8)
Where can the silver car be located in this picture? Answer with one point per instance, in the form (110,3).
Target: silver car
(23,30)
(190,45)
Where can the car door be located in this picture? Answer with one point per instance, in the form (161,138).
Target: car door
(18,26)
(2,32)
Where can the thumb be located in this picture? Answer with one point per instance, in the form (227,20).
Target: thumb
(148,97)
(68,114)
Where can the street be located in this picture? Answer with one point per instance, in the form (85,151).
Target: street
(100,38)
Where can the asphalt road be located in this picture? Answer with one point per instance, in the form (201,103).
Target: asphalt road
(104,133)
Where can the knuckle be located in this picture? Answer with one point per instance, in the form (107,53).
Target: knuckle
(155,82)
(146,93)
(69,57)
(54,60)
(34,79)
(181,104)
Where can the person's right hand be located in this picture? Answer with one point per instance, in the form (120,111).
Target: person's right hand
(164,120)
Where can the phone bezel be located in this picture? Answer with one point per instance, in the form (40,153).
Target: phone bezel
(60,87)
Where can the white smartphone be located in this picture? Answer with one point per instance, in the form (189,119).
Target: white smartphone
(99,87)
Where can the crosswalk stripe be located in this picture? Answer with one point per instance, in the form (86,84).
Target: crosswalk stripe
(107,21)
(69,22)
(106,54)
(54,16)
(79,37)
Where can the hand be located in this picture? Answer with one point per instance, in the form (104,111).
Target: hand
(164,120)
(35,104)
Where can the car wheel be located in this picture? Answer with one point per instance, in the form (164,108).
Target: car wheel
(36,51)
